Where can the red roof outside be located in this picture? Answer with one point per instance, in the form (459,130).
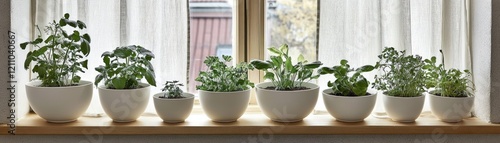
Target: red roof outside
(210,27)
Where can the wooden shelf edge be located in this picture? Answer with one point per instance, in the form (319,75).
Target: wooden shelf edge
(248,124)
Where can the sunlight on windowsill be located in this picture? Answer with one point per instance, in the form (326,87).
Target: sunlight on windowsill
(249,123)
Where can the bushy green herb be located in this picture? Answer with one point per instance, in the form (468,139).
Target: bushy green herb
(281,71)
(345,85)
(401,75)
(172,90)
(223,78)
(61,55)
(125,67)
(448,83)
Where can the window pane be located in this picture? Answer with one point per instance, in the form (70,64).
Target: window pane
(210,34)
(293,22)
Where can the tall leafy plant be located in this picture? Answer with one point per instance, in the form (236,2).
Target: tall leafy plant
(125,67)
(285,75)
(349,81)
(223,78)
(447,82)
(61,55)
(401,75)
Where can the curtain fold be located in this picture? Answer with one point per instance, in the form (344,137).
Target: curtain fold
(357,30)
(160,26)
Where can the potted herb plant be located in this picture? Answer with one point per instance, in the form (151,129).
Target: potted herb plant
(289,97)
(58,95)
(348,99)
(173,105)
(123,96)
(224,90)
(451,99)
(402,82)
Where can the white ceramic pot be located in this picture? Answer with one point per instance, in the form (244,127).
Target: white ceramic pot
(59,104)
(349,108)
(451,109)
(403,109)
(224,106)
(287,106)
(174,110)
(125,105)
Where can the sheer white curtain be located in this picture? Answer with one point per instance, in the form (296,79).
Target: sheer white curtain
(158,25)
(357,30)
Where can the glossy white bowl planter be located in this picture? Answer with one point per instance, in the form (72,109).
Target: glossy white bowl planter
(451,109)
(287,106)
(59,104)
(403,109)
(349,108)
(125,105)
(224,106)
(174,110)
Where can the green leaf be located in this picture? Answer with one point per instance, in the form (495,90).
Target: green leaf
(288,64)
(71,23)
(343,62)
(119,83)
(66,15)
(274,50)
(81,25)
(107,53)
(100,69)
(27,62)
(75,36)
(325,70)
(63,22)
(269,75)
(284,49)
(277,61)
(313,65)
(366,68)
(261,65)
(106,60)
(301,58)
(85,47)
(23,45)
(84,64)
(37,41)
(86,37)
(150,77)
(76,79)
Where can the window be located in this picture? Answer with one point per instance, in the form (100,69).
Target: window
(324,30)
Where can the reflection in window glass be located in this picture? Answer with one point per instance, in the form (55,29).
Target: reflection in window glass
(210,34)
(293,22)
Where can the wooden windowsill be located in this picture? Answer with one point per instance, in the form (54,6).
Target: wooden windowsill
(250,123)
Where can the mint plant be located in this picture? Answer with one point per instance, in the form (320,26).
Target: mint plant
(223,78)
(401,75)
(447,83)
(349,81)
(61,55)
(172,90)
(281,71)
(125,67)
